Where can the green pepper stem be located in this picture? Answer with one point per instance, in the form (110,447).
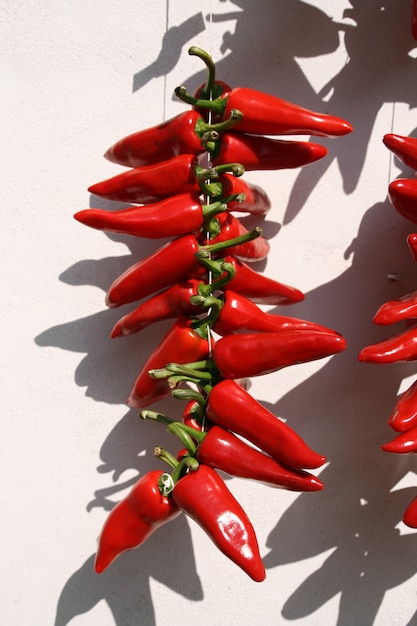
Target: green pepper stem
(187,464)
(166,456)
(206,250)
(228,272)
(190,394)
(157,417)
(186,370)
(210,132)
(182,432)
(209,88)
(217,105)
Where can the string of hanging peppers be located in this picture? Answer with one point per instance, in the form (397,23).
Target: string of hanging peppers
(401,346)
(202,280)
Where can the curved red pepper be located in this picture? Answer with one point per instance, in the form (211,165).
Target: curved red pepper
(403,196)
(265,114)
(231,227)
(410,515)
(404,415)
(222,450)
(405,148)
(414,20)
(238,314)
(203,495)
(171,217)
(172,302)
(256,201)
(151,183)
(134,519)
(246,355)
(234,409)
(172,263)
(404,443)
(263,153)
(397,310)
(179,135)
(182,344)
(401,347)
(258,287)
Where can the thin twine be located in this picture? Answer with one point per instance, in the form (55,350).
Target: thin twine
(207,198)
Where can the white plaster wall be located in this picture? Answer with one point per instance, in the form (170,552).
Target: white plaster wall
(76,76)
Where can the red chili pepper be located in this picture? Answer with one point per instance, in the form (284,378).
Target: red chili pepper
(404,443)
(234,409)
(258,287)
(263,153)
(204,496)
(405,148)
(222,450)
(401,347)
(171,217)
(246,355)
(172,263)
(134,519)
(182,344)
(404,415)
(265,114)
(231,227)
(172,302)
(397,310)
(151,183)
(412,244)
(191,415)
(256,201)
(181,134)
(403,196)
(410,515)
(238,314)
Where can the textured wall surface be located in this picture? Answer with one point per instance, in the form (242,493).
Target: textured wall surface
(77,75)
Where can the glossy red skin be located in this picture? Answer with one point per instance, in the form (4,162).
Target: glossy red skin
(204,496)
(181,344)
(265,114)
(238,314)
(178,135)
(414,20)
(401,347)
(169,265)
(397,310)
(234,409)
(404,443)
(412,244)
(410,515)
(151,183)
(403,196)
(256,200)
(222,450)
(172,302)
(263,153)
(230,227)
(404,415)
(170,217)
(134,519)
(189,416)
(256,354)
(405,148)
(258,287)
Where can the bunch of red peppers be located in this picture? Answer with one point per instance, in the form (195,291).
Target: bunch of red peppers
(402,345)
(185,182)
